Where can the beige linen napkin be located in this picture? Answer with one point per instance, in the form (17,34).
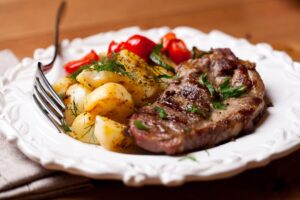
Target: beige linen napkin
(21,178)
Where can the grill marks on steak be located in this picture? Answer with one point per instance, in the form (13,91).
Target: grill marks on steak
(183,130)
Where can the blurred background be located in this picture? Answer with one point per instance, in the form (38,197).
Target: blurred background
(28,24)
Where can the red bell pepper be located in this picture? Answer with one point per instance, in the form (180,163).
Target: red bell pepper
(178,51)
(73,66)
(140,45)
(115,47)
(166,40)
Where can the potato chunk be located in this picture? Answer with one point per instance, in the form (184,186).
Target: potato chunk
(145,83)
(110,134)
(74,101)
(110,99)
(140,81)
(93,79)
(61,86)
(83,128)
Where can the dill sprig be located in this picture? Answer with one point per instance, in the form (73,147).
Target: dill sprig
(104,64)
(74,108)
(87,130)
(189,157)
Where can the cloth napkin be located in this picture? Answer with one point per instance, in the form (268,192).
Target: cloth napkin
(20,178)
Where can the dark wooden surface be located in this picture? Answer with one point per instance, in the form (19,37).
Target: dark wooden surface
(28,24)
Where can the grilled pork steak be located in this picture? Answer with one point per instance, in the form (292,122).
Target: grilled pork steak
(212,100)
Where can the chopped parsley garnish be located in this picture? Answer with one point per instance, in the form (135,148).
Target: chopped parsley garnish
(218,105)
(156,57)
(161,112)
(139,125)
(189,157)
(224,92)
(105,64)
(196,110)
(203,81)
(227,91)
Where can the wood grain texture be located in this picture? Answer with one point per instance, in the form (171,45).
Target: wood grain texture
(28,24)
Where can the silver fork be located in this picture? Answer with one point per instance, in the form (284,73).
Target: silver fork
(43,94)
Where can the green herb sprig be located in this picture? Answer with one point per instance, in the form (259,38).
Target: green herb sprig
(161,112)
(78,71)
(204,81)
(189,157)
(105,64)
(218,105)
(140,125)
(74,108)
(156,57)
(227,91)
(195,109)
(88,130)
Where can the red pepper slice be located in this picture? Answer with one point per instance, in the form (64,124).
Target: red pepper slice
(166,40)
(178,51)
(115,47)
(140,45)
(73,66)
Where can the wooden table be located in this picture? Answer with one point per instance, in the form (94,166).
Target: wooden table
(28,24)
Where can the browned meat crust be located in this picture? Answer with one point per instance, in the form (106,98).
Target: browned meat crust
(182,130)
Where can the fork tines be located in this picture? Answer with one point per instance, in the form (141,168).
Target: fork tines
(47,100)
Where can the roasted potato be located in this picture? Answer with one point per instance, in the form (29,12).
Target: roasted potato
(110,99)
(145,83)
(93,79)
(69,113)
(83,128)
(140,81)
(74,101)
(110,134)
(61,86)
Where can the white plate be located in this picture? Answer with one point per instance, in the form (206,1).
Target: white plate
(276,136)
